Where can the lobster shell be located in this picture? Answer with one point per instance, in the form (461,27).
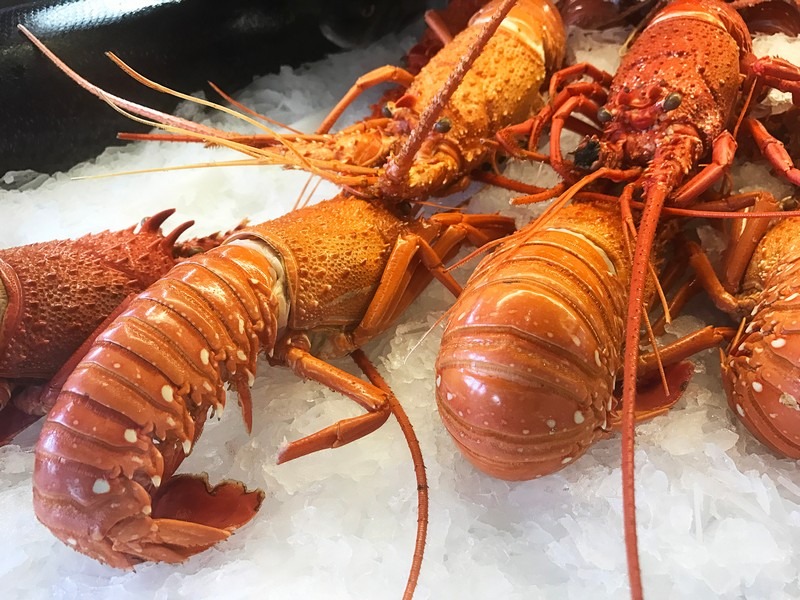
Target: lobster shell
(530,354)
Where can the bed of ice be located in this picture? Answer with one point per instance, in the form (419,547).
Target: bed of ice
(719,516)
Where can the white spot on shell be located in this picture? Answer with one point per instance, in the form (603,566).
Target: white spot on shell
(72,541)
(241,355)
(207,386)
(166,393)
(792,297)
(551,423)
(449,396)
(790,401)
(170,421)
(438,380)
(101,486)
(117,365)
(130,435)
(576,340)
(526,431)
(778,343)
(204,356)
(251,379)
(597,359)
(156,479)
(146,510)
(241,325)
(566,460)
(187,446)
(740,410)
(757,387)
(579,418)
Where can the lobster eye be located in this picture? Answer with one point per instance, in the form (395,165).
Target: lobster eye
(387,111)
(443,125)
(604,115)
(672,101)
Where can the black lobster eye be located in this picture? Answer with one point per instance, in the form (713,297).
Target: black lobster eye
(443,125)
(672,101)
(387,111)
(604,115)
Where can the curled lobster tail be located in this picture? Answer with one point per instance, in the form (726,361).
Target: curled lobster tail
(526,371)
(123,424)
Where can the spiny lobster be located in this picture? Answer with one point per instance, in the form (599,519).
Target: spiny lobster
(434,136)
(759,369)
(134,407)
(671,106)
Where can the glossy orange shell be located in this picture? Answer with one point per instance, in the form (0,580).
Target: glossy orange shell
(529,356)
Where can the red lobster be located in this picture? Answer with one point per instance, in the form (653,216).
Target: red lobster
(313,284)
(55,294)
(670,106)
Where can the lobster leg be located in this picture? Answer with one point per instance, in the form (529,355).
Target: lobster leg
(721,160)
(774,151)
(385,74)
(779,73)
(347,430)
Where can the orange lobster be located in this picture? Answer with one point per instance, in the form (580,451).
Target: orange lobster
(671,106)
(314,284)
(434,136)
(55,294)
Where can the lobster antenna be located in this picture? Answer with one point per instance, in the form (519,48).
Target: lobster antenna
(399,413)
(398,168)
(113,100)
(154,85)
(249,111)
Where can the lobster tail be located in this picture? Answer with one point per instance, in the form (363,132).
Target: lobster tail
(531,414)
(150,380)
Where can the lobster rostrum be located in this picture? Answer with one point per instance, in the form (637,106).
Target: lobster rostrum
(427,141)
(135,406)
(671,106)
(526,374)
(53,296)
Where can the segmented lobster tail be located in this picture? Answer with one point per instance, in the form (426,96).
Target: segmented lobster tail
(133,408)
(525,375)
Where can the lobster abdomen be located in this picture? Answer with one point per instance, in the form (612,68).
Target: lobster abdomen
(526,371)
(135,405)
